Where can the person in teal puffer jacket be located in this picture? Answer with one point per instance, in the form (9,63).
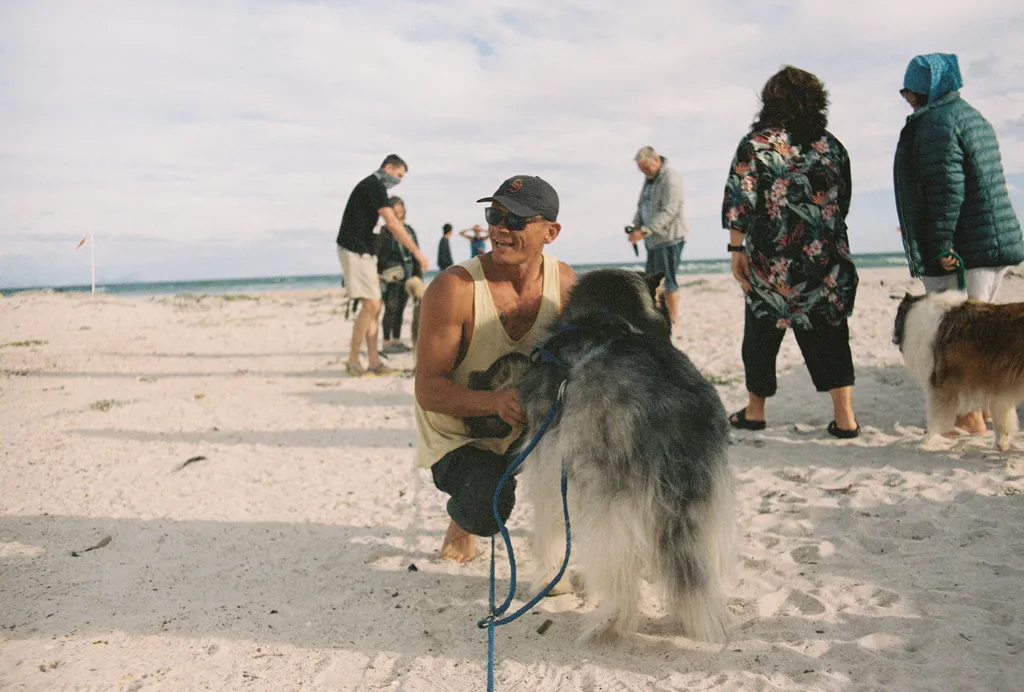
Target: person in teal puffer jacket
(951,193)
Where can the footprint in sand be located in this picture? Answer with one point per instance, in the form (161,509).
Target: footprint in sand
(789,600)
(878,546)
(806,554)
(892,646)
(805,603)
(1014,645)
(869,595)
(812,554)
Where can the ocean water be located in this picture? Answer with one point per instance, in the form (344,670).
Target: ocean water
(290,283)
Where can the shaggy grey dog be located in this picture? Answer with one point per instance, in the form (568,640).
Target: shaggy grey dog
(643,437)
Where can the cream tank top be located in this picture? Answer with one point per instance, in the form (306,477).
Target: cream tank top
(439,434)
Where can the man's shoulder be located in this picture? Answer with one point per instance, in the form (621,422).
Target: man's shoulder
(669,174)
(371,184)
(452,280)
(449,295)
(565,273)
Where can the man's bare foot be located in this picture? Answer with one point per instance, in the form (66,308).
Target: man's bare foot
(458,545)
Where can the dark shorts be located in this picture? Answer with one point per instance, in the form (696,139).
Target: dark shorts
(470,476)
(665,260)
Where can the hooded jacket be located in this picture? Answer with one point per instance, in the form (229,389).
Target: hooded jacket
(951,193)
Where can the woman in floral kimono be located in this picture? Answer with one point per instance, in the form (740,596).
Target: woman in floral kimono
(785,208)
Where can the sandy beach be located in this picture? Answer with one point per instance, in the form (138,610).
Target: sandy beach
(297,549)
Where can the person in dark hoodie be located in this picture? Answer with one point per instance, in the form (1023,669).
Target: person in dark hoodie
(395,265)
(951,194)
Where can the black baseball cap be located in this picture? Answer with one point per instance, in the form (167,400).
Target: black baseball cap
(527,195)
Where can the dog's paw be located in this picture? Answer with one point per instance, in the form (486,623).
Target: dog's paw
(604,631)
(571,582)
(563,587)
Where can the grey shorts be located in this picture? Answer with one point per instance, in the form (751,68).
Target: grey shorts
(665,260)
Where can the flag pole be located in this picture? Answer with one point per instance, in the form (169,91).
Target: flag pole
(92,255)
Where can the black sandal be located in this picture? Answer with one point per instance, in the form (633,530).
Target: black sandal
(835,431)
(739,421)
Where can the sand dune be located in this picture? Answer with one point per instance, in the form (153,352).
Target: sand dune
(300,551)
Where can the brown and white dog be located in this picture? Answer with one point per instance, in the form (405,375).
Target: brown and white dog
(967,355)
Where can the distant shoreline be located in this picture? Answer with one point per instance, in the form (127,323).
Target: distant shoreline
(319,281)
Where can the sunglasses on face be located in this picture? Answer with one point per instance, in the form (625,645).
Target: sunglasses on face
(513,222)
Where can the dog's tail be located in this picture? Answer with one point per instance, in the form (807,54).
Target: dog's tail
(695,561)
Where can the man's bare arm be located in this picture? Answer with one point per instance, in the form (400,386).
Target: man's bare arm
(397,229)
(566,280)
(446,308)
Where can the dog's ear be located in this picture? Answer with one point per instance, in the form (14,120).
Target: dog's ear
(653,282)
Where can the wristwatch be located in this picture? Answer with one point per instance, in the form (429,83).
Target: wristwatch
(735,248)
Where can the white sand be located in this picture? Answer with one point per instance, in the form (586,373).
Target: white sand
(282,560)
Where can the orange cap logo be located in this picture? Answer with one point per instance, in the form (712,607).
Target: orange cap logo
(515,186)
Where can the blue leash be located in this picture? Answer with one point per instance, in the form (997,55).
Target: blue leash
(494,617)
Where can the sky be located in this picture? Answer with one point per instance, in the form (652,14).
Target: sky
(204,139)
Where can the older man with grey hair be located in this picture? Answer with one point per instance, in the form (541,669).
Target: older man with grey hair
(659,221)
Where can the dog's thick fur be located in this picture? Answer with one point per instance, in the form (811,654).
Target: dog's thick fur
(504,373)
(967,355)
(643,437)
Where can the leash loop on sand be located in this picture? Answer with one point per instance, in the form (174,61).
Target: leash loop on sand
(495,613)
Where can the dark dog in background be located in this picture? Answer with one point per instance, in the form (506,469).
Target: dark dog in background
(643,437)
(966,355)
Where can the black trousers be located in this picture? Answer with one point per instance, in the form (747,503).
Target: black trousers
(826,353)
(395,298)
(470,476)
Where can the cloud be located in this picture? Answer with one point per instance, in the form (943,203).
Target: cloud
(211,128)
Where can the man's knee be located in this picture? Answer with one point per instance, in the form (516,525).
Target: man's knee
(471,477)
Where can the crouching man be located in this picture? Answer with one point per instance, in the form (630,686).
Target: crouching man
(472,314)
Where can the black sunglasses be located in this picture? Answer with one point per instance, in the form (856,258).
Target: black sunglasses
(513,222)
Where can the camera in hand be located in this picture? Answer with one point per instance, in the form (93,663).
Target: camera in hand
(629,229)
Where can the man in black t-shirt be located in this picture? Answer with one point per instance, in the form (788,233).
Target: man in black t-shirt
(356,252)
(444,248)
